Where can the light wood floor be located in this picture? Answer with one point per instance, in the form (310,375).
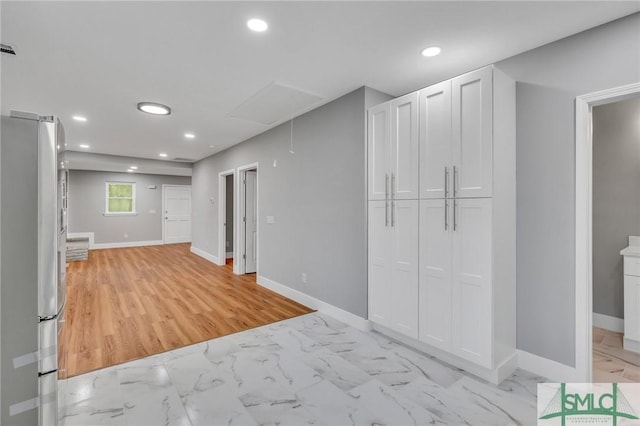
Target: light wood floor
(128,303)
(611,363)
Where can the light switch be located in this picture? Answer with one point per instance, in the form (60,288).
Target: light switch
(275,164)
(271,219)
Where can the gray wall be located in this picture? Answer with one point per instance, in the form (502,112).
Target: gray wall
(317,197)
(229,205)
(549,79)
(616,198)
(87,206)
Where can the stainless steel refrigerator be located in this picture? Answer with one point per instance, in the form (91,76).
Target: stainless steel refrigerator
(32,266)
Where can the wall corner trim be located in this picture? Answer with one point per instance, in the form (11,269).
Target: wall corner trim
(547,368)
(340,314)
(211,258)
(608,322)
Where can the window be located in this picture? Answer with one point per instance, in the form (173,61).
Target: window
(120,198)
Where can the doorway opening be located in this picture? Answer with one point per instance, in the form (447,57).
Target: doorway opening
(246,259)
(584,222)
(176,207)
(226,217)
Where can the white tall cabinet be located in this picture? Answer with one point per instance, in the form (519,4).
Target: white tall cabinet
(465,225)
(393,214)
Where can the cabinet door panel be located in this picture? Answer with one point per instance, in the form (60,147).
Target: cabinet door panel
(379,261)
(631,306)
(404,146)
(435,140)
(405,267)
(378,147)
(472,290)
(472,133)
(435,273)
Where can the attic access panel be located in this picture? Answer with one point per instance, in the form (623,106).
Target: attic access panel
(275,103)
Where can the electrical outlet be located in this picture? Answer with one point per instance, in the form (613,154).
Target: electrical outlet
(228,243)
(126,235)
(304,277)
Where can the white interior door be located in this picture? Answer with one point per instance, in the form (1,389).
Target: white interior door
(250,221)
(177,214)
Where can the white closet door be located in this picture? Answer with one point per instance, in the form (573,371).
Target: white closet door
(379,150)
(472,132)
(404,301)
(435,272)
(472,291)
(435,141)
(404,147)
(379,263)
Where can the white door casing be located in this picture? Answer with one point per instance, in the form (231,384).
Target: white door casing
(435,141)
(251,221)
(472,134)
(222,213)
(177,213)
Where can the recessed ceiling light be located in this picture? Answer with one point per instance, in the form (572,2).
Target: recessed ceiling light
(431,51)
(154,108)
(134,167)
(79,118)
(189,135)
(163,154)
(257,25)
(84,145)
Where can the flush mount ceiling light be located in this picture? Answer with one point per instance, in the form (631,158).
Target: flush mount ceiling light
(79,118)
(431,51)
(257,25)
(189,135)
(84,146)
(163,154)
(154,108)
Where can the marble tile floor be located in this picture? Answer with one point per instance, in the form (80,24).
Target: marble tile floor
(308,370)
(611,363)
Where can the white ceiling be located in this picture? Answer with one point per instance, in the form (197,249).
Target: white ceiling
(98,59)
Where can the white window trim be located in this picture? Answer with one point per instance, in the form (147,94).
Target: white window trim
(106,200)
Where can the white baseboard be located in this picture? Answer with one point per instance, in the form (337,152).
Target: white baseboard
(97,246)
(608,323)
(317,304)
(211,258)
(552,370)
(631,345)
